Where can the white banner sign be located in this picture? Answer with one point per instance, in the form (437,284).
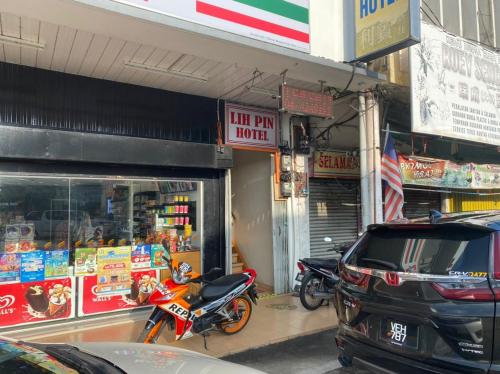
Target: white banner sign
(280,22)
(455,88)
(248,127)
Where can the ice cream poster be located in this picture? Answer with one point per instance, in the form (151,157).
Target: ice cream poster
(85,261)
(10,264)
(113,270)
(56,263)
(32,302)
(141,256)
(32,266)
(91,303)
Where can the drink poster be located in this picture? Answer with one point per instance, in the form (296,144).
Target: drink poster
(157,253)
(56,263)
(141,256)
(85,261)
(39,301)
(91,303)
(10,265)
(113,270)
(32,266)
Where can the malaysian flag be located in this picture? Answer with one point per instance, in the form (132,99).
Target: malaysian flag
(391,174)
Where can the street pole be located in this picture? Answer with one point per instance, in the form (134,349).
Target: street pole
(363,158)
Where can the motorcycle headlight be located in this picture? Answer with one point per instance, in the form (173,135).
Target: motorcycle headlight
(180,277)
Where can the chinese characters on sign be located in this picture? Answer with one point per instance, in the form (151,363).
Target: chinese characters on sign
(248,127)
(385,26)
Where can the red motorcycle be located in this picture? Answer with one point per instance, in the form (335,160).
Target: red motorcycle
(223,304)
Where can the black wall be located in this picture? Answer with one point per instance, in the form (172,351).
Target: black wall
(31,97)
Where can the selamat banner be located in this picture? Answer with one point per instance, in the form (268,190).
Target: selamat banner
(455,88)
(279,22)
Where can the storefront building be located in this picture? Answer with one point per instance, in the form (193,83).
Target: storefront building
(113,129)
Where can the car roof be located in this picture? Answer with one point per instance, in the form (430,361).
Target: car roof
(484,220)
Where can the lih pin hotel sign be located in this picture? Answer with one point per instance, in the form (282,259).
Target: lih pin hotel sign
(385,26)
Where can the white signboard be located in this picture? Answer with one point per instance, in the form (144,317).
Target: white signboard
(281,22)
(251,128)
(455,88)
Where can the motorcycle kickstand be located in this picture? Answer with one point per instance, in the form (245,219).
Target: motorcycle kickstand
(205,335)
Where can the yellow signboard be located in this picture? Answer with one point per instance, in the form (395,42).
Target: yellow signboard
(384,26)
(335,164)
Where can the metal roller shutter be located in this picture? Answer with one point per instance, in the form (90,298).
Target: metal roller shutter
(333,212)
(418,203)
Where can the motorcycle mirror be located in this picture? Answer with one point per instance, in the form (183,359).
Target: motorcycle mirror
(327,239)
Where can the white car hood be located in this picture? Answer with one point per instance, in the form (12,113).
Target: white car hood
(136,358)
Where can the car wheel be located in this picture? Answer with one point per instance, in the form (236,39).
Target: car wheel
(345,361)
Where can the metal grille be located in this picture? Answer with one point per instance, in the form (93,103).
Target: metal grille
(334,211)
(467,203)
(418,203)
(280,248)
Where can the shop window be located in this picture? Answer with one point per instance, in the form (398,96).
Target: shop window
(451,16)
(469,19)
(103,235)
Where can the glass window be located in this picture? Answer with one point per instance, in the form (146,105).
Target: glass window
(428,251)
(33,212)
(431,11)
(485,22)
(496,10)
(66,213)
(451,16)
(469,19)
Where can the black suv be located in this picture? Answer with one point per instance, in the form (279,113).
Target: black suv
(422,298)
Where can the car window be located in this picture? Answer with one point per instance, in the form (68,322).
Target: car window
(20,359)
(441,251)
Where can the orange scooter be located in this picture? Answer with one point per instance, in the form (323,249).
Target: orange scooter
(223,304)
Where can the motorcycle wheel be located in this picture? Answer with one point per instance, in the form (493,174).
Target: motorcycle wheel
(150,334)
(310,283)
(244,306)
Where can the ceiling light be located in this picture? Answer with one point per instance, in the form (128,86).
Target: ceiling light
(172,73)
(263,91)
(20,42)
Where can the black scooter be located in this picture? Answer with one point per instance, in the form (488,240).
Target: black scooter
(318,277)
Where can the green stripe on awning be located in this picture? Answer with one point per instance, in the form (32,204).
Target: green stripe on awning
(281,8)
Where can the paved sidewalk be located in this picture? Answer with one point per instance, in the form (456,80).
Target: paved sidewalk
(274,319)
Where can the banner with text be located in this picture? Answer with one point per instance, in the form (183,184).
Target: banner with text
(430,172)
(335,164)
(248,127)
(455,88)
(280,22)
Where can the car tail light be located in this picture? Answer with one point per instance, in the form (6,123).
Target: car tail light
(358,279)
(465,290)
(301,267)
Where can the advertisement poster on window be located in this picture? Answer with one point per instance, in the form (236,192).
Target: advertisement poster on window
(85,261)
(56,263)
(10,265)
(282,23)
(157,254)
(90,302)
(32,266)
(113,270)
(455,88)
(251,128)
(141,256)
(41,301)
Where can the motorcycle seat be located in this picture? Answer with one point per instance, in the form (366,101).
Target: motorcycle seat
(327,263)
(222,286)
